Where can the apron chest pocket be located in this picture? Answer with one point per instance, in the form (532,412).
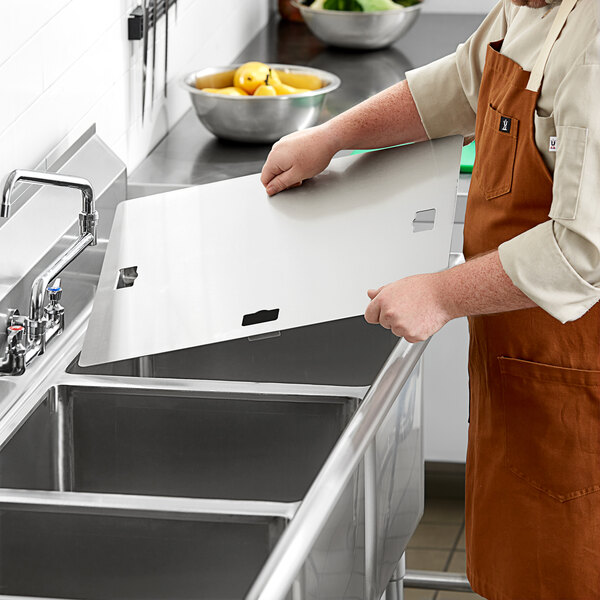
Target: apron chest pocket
(552,418)
(495,159)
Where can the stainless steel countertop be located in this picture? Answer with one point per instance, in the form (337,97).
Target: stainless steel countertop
(190,155)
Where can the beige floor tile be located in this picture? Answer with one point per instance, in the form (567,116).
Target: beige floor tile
(435,535)
(444,510)
(458,562)
(426,560)
(458,596)
(410,594)
(461,541)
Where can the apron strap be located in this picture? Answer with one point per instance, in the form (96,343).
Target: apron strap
(537,74)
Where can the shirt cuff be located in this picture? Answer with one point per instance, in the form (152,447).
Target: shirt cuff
(536,265)
(440,99)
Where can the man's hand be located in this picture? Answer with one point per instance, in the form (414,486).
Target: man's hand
(386,119)
(411,308)
(297,157)
(416,307)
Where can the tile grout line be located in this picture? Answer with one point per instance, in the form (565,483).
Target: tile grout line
(452,552)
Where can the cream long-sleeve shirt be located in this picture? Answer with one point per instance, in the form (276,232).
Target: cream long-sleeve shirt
(557,263)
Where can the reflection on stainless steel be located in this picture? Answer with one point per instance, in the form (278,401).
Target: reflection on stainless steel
(360,30)
(28,336)
(256,119)
(294,547)
(395,588)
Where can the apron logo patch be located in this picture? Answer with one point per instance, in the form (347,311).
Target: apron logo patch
(505,124)
(553,143)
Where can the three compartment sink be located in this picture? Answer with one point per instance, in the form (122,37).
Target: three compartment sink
(175,476)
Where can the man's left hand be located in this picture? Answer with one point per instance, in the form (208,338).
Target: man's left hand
(412,308)
(416,307)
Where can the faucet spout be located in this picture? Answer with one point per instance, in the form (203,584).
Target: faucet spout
(88,236)
(88,217)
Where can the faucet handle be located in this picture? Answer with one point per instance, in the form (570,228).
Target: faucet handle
(15,335)
(55,291)
(55,312)
(16,353)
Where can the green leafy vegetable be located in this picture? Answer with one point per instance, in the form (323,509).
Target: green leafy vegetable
(351,5)
(373,5)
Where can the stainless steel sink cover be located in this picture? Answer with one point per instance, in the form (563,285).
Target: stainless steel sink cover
(223,261)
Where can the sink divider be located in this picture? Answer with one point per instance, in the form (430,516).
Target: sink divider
(153,507)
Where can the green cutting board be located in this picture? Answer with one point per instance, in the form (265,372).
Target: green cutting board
(468,158)
(466,161)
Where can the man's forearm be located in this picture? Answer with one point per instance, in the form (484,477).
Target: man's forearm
(386,119)
(416,307)
(480,286)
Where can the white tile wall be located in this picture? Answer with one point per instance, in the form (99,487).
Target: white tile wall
(65,64)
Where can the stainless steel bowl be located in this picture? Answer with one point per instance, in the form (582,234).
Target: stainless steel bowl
(361,30)
(261,119)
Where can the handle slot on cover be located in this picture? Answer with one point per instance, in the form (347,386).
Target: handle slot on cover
(127,277)
(262,316)
(424,220)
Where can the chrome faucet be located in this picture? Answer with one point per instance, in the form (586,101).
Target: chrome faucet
(27,336)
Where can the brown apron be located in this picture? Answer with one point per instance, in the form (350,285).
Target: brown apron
(533,462)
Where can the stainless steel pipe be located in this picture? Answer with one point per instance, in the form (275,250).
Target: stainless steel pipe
(435,580)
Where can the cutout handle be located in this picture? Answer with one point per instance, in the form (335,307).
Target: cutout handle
(262,316)
(424,220)
(127,277)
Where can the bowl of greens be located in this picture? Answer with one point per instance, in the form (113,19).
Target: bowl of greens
(360,24)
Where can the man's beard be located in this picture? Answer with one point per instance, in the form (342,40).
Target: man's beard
(531,3)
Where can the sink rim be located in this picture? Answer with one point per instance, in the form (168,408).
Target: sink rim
(146,506)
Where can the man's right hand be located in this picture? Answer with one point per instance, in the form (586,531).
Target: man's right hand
(296,157)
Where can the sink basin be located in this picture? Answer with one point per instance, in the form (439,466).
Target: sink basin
(53,555)
(173,443)
(348,352)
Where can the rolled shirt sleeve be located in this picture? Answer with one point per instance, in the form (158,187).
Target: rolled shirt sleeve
(557,263)
(445,91)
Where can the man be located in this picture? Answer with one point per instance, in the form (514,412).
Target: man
(530,286)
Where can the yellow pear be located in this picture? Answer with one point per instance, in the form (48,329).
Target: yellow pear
(282,89)
(265,90)
(227,91)
(305,81)
(250,76)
